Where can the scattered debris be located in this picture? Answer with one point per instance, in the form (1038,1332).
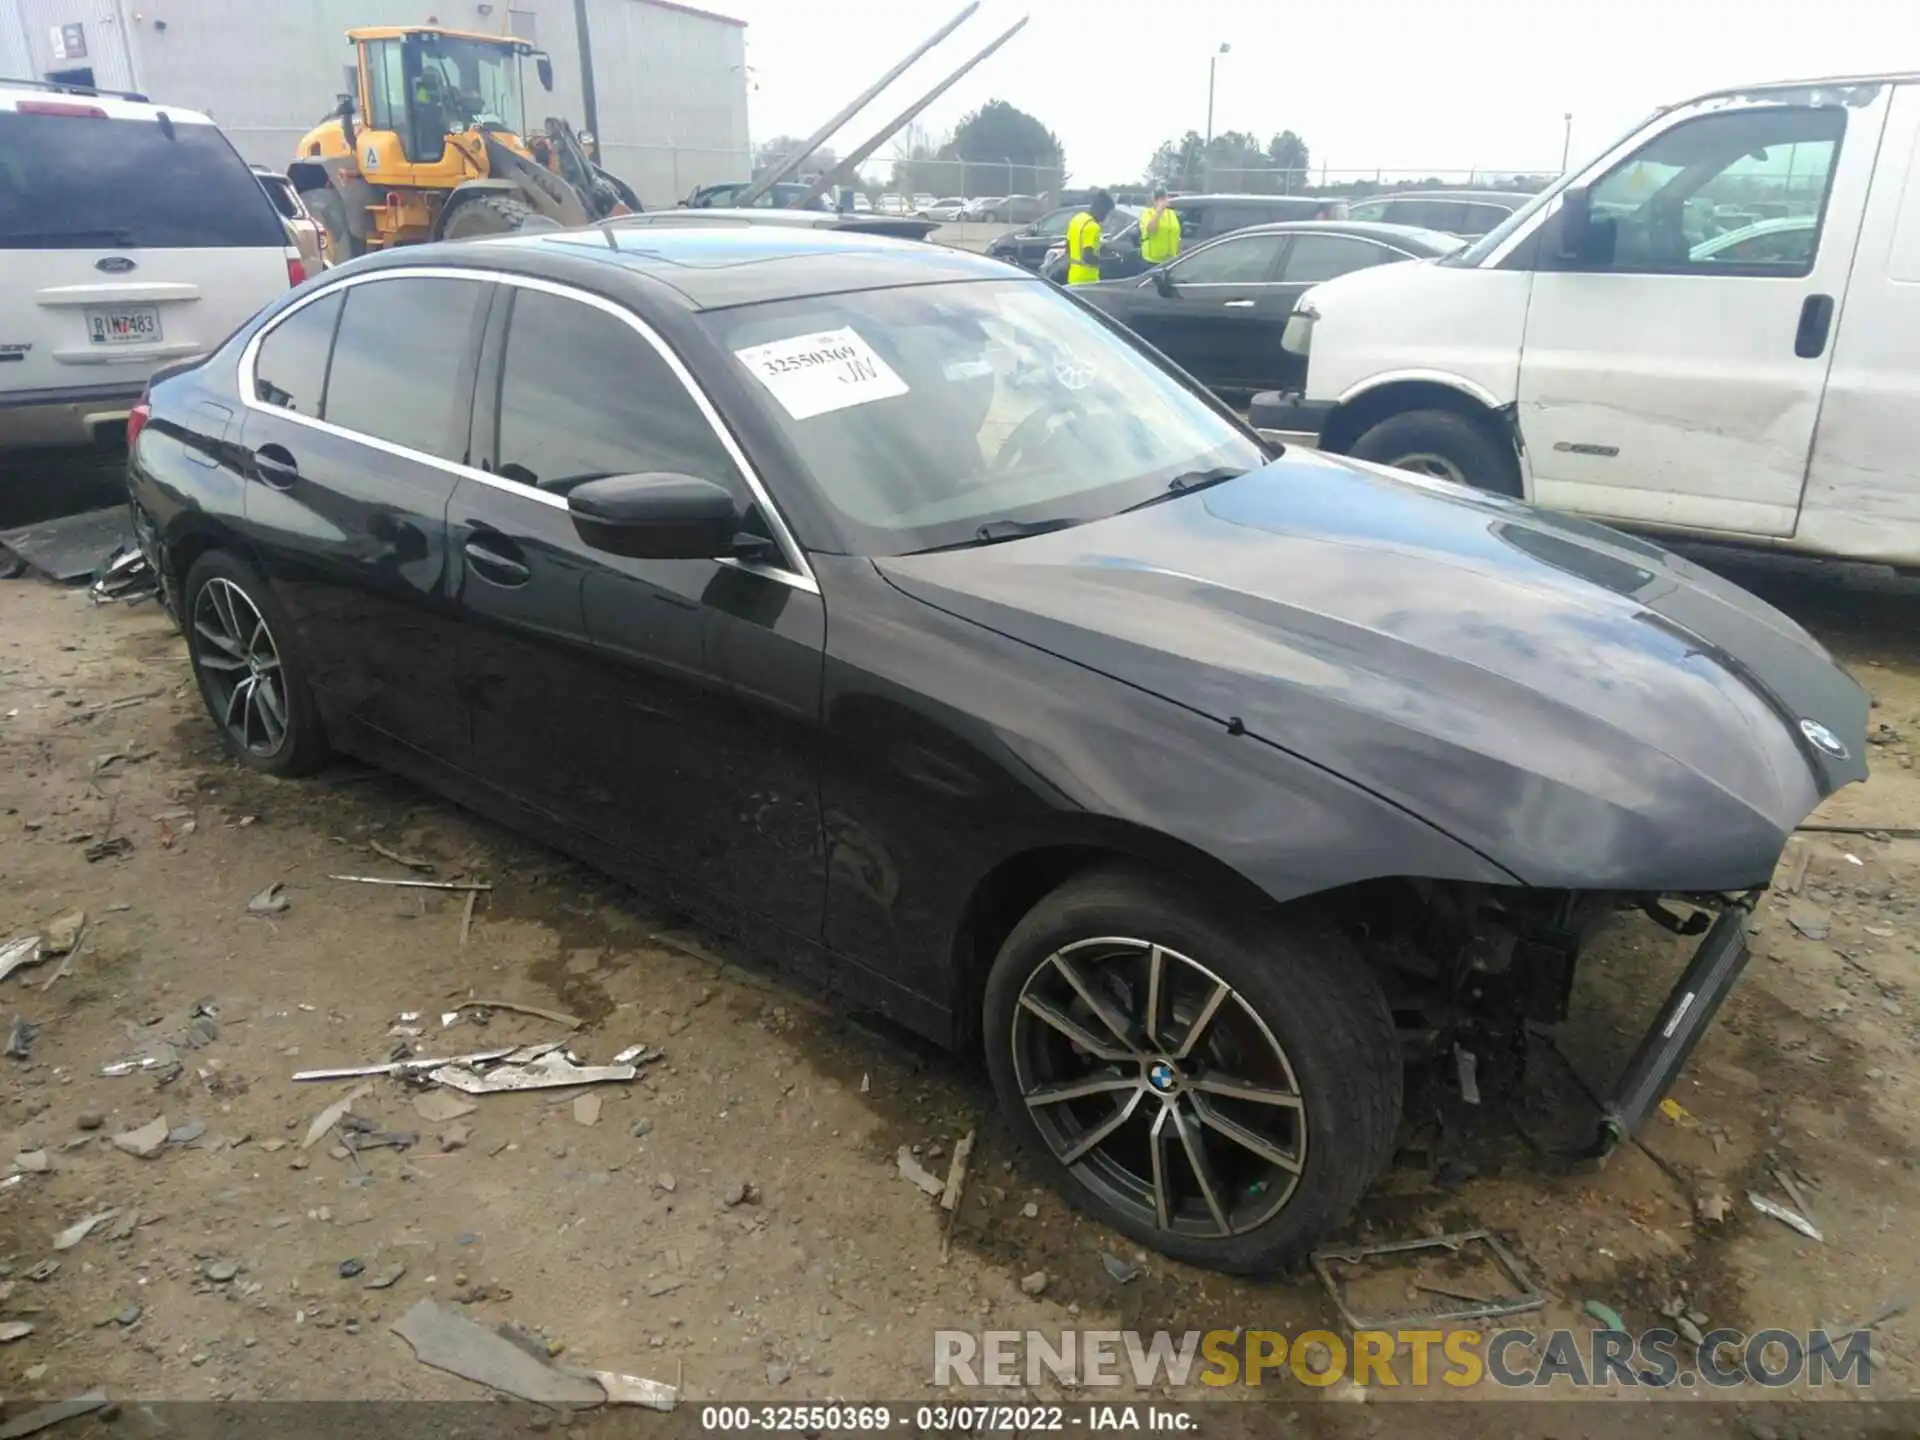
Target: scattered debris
(1810,922)
(1605,1314)
(1794,1193)
(455,1137)
(350,1269)
(110,848)
(385,1279)
(663,1181)
(273,900)
(1030,1211)
(146,1142)
(89,1120)
(330,1117)
(1034,1284)
(466,928)
(913,1171)
(12,1330)
(360,1136)
(957,1173)
(130,1315)
(220,1272)
(586,1109)
(1785,1216)
(547,1071)
(631,1055)
(80,1229)
(460,1347)
(145,1062)
(186,1134)
(467,885)
(778,1374)
(409,862)
(740,1192)
(1466,1069)
(1712,1202)
(559,1017)
(1678,1114)
(44,1271)
(63,932)
(16,954)
(405,1067)
(437,1107)
(1530,1296)
(634,1390)
(20,1038)
(33,1162)
(1119,1270)
(58,1413)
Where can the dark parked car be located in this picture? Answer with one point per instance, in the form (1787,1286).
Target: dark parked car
(909,619)
(1219,311)
(1028,246)
(1466,213)
(865,222)
(1202,218)
(786,193)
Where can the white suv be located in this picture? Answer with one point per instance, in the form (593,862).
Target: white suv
(131,235)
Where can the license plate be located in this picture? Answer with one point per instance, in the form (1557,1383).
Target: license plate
(124,325)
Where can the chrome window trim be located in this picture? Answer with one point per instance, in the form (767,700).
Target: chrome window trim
(797,574)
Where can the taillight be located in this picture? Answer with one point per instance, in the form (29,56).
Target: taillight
(296,271)
(137,420)
(60,107)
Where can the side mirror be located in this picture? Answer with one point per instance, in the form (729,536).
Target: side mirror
(655,516)
(1583,241)
(1163,282)
(345,108)
(1272,410)
(543,67)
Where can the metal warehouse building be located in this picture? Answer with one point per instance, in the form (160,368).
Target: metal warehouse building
(668,82)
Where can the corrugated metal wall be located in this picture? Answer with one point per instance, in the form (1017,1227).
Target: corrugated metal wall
(672,91)
(672,94)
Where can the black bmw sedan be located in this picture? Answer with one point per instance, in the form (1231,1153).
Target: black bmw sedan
(909,619)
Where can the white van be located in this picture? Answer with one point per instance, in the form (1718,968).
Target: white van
(131,235)
(1714,329)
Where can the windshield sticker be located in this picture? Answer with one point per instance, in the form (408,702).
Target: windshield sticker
(815,374)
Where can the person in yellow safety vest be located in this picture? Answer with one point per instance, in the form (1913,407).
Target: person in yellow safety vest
(1083,240)
(1160,230)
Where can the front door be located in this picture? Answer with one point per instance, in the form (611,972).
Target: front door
(668,709)
(1673,373)
(1211,323)
(357,416)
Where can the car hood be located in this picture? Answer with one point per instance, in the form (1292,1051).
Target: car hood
(1581,708)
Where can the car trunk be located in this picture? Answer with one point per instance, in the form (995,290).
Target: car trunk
(126,243)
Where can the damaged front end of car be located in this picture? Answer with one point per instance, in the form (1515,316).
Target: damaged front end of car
(1476,970)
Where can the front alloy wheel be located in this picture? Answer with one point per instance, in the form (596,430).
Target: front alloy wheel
(1160,1087)
(1218,1081)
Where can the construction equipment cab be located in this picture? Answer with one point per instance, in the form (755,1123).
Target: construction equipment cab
(433,146)
(1712,330)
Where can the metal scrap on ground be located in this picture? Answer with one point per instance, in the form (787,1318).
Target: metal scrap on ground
(914,1172)
(1785,1216)
(547,1071)
(468,885)
(460,1347)
(17,953)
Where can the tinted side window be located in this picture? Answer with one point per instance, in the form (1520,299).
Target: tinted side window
(1321,257)
(399,359)
(290,370)
(70,181)
(1246,260)
(1479,219)
(582,394)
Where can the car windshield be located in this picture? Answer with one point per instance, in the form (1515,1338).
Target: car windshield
(938,415)
(479,80)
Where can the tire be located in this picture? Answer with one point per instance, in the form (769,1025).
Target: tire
(329,208)
(1446,445)
(1301,1015)
(253,686)
(493,214)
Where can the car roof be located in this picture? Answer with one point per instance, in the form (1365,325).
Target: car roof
(710,267)
(1513,198)
(1359,229)
(1276,200)
(116,104)
(872,222)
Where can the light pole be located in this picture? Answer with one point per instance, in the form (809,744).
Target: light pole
(1213,62)
(1566,143)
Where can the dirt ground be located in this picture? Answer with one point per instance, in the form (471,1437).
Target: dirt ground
(240,1264)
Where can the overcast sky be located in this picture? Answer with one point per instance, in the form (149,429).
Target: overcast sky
(1420,85)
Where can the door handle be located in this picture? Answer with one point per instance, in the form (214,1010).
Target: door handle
(490,564)
(1816,319)
(275,466)
(1239,305)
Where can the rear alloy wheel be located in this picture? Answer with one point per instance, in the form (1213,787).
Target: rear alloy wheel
(251,688)
(1222,1087)
(1444,445)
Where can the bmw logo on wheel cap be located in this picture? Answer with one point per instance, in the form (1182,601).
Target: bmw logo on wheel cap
(1823,739)
(1162,1076)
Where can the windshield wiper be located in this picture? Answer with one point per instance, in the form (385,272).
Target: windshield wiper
(1187,482)
(994,532)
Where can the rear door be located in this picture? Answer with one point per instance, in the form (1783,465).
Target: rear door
(124,243)
(358,403)
(1312,258)
(1210,324)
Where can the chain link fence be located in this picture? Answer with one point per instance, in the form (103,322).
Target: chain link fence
(1321,179)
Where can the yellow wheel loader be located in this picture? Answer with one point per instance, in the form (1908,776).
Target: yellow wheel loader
(433,146)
